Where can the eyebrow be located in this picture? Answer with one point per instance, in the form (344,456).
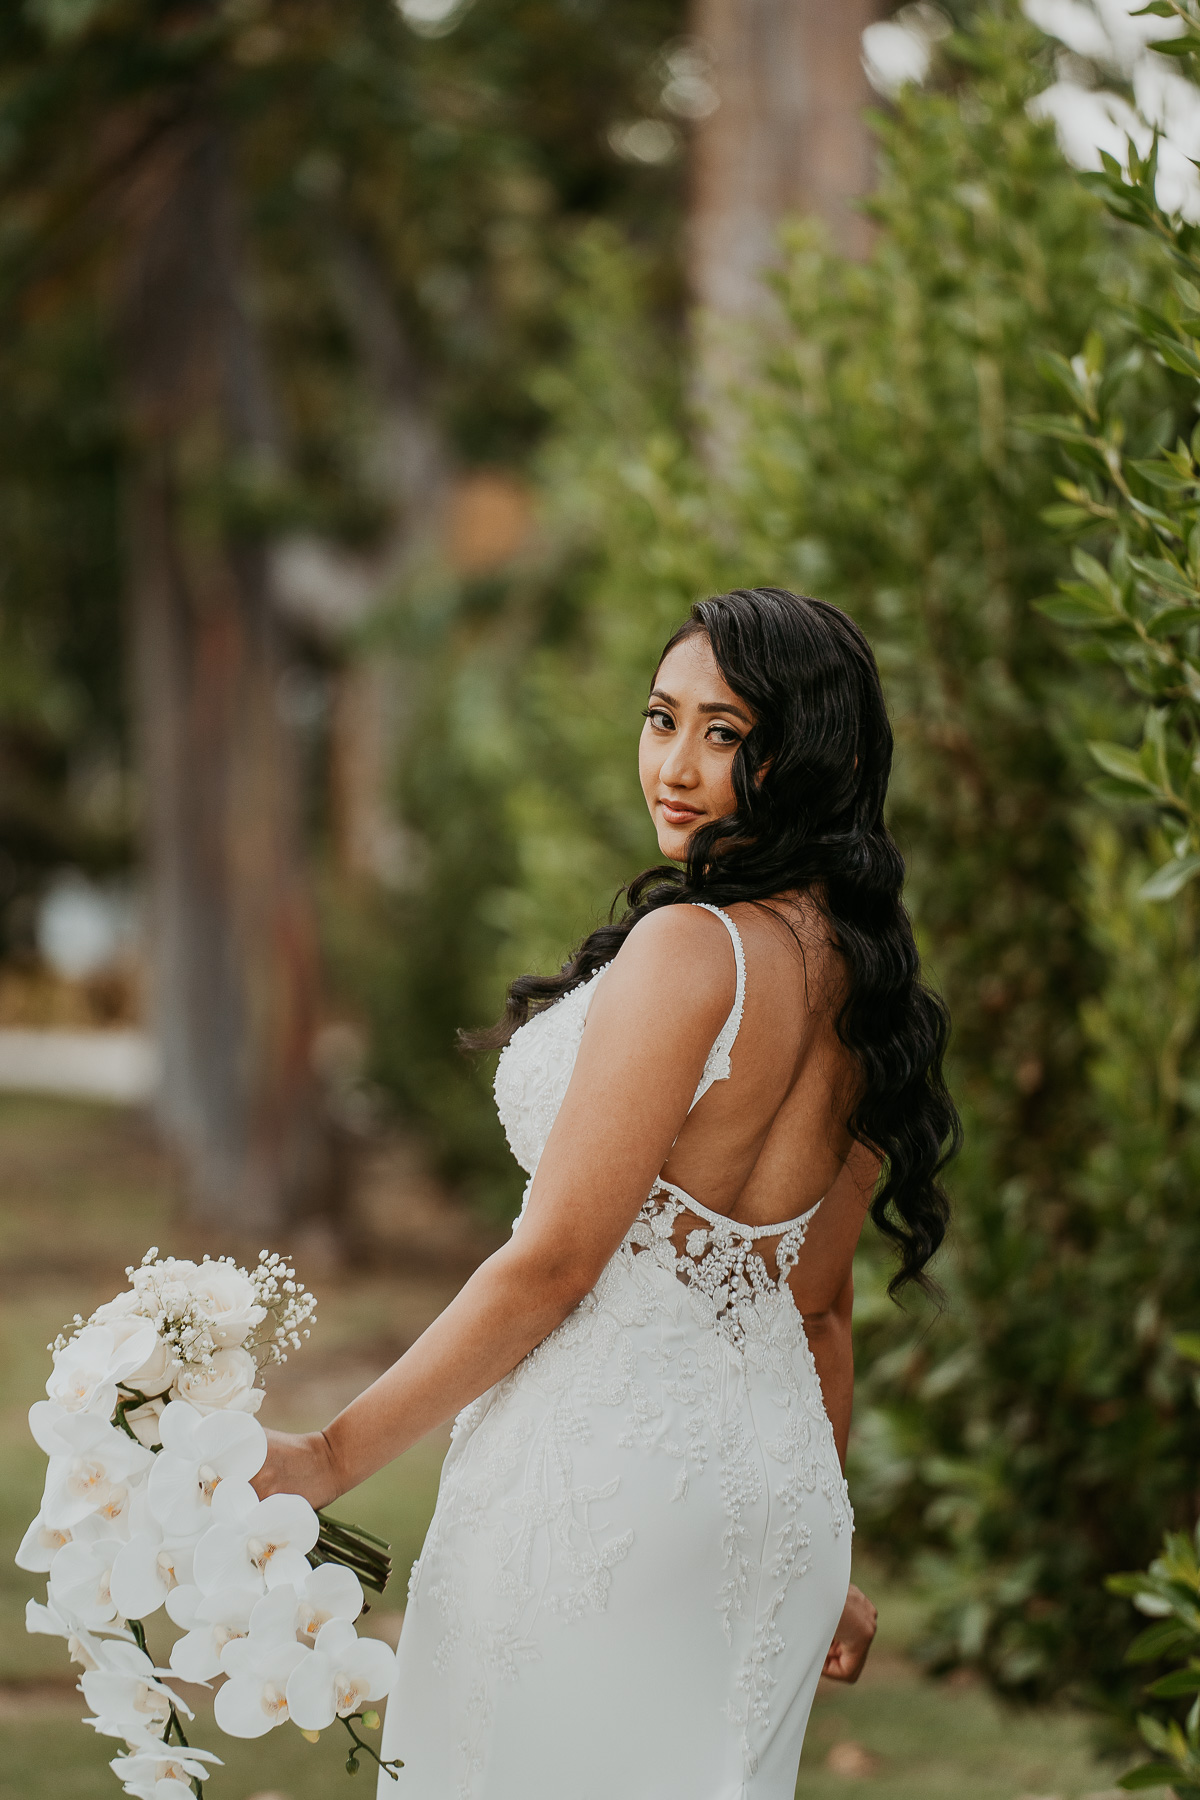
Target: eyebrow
(705,706)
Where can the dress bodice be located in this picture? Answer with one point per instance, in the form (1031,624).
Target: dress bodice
(536,1065)
(724,1261)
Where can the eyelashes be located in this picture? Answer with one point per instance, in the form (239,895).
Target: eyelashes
(729,739)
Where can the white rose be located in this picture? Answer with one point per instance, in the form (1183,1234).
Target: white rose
(229,1301)
(156,1373)
(164,1284)
(143,1420)
(226,1385)
(127,1305)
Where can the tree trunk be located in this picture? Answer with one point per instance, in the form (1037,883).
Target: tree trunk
(786,138)
(234,954)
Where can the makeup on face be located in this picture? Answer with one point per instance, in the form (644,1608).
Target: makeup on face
(694,724)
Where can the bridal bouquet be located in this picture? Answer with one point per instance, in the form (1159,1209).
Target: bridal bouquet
(150,1430)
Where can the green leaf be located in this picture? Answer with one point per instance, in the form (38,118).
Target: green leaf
(1165,574)
(1172,619)
(1180,1681)
(1187,1343)
(1158,1640)
(1068,610)
(1065,518)
(1093,572)
(1162,475)
(1117,793)
(1150,1775)
(1166,882)
(1180,357)
(1180,46)
(1128,1584)
(1126,765)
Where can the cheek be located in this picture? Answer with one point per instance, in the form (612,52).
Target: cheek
(719,784)
(649,762)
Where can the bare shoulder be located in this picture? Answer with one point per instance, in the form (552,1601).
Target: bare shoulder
(679,956)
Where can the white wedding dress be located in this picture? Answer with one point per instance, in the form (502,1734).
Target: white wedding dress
(641,1546)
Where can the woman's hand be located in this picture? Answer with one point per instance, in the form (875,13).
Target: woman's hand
(853,1637)
(299,1464)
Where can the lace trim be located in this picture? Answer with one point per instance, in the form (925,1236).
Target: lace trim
(718,1261)
(718,1066)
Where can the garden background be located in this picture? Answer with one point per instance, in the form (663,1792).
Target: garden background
(383,382)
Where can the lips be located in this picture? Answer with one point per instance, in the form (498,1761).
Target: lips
(679,815)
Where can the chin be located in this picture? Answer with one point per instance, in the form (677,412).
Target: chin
(674,844)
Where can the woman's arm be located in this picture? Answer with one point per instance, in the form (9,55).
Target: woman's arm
(650,1026)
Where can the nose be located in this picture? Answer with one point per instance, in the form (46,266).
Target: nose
(678,767)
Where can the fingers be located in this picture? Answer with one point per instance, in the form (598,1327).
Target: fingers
(852,1641)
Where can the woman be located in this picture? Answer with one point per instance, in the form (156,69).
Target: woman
(641,1548)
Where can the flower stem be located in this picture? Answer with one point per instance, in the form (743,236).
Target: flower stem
(390,1767)
(367,1555)
(132,1399)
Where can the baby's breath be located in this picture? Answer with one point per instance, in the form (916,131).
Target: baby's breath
(160,1290)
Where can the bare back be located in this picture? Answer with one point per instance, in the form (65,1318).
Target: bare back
(771,1141)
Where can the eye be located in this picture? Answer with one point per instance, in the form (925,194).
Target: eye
(659,719)
(726,737)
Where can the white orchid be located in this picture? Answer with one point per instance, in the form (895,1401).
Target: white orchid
(171,1366)
(210,1621)
(229,1300)
(156,1772)
(224,1384)
(166,1789)
(342,1674)
(127,1697)
(88,1367)
(42,1542)
(152,1786)
(254,1699)
(147,1568)
(330,1591)
(82,1647)
(80,1582)
(93,1467)
(253,1542)
(198,1454)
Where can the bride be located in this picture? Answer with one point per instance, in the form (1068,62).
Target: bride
(639,1563)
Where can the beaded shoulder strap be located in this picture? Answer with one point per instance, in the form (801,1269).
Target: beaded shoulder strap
(717,1067)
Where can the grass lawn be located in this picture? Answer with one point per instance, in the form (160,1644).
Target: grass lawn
(82,1193)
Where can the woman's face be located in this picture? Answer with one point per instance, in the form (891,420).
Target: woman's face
(694,723)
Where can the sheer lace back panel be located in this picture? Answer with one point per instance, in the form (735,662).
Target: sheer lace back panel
(732,1268)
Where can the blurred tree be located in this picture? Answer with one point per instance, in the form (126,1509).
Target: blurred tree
(778,94)
(272,224)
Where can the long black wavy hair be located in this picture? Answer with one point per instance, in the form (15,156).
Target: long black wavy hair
(810,779)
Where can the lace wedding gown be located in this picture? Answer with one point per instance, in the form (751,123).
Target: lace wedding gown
(641,1546)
